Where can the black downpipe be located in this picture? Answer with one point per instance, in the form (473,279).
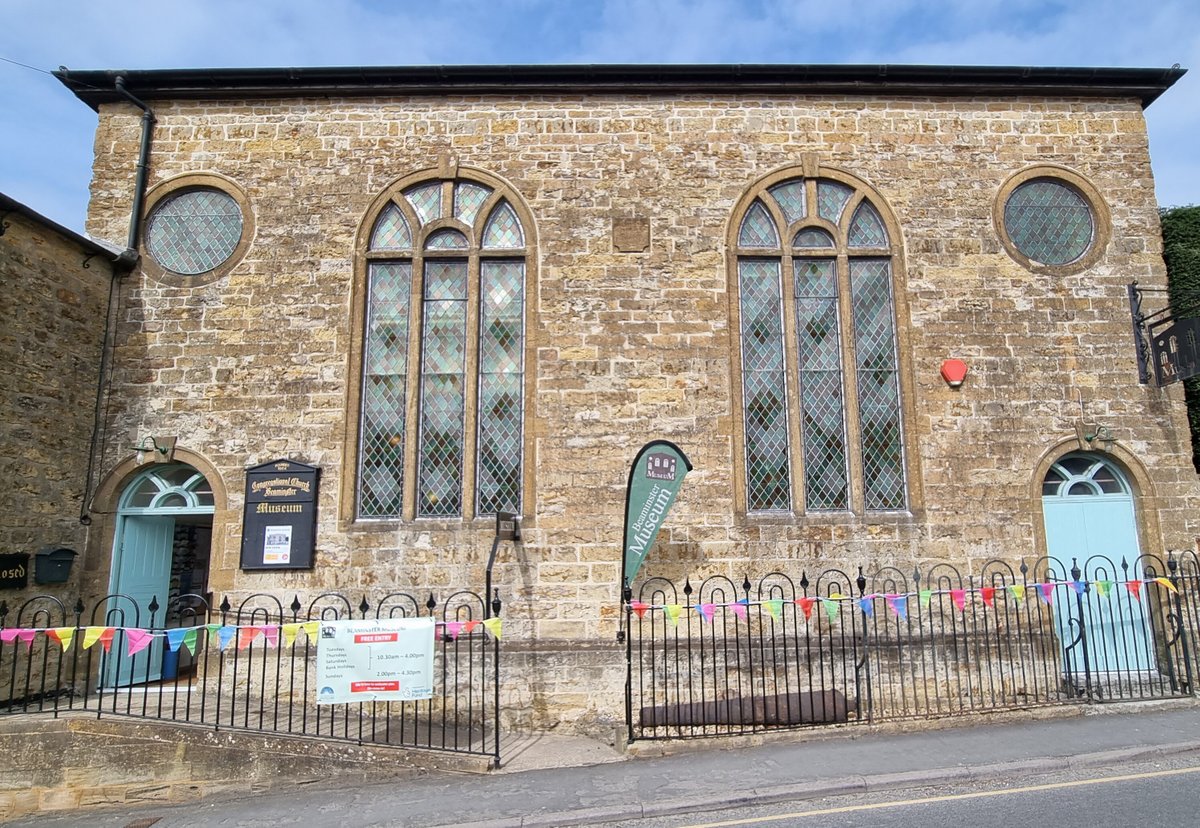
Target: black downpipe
(123,265)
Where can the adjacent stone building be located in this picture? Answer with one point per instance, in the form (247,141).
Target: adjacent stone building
(461,290)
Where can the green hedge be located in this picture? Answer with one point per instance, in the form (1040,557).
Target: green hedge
(1181,252)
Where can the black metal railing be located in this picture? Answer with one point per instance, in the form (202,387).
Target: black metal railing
(249,667)
(722,658)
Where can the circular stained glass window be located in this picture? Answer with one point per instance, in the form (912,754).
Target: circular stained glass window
(1049,222)
(195,231)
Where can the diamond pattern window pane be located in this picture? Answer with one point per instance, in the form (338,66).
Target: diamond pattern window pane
(878,385)
(866,228)
(768,482)
(468,198)
(503,229)
(831,199)
(758,230)
(446,240)
(194,231)
(501,377)
(813,238)
(791,199)
(385,368)
(426,199)
(391,231)
(1048,222)
(822,403)
(443,362)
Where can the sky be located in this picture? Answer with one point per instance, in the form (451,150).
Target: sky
(46,133)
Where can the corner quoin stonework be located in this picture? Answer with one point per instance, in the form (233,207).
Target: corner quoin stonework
(627,345)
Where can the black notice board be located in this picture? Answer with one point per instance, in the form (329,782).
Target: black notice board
(14,570)
(280,525)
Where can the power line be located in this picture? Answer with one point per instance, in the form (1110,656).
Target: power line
(26,66)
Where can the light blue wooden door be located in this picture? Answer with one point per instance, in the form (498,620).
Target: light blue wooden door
(1088,509)
(141,574)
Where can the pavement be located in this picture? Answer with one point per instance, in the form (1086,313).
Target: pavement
(543,786)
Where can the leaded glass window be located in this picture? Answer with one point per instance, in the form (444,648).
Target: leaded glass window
(835,426)
(441,398)
(1049,222)
(194,231)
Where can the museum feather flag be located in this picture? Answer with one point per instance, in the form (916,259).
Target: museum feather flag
(655,477)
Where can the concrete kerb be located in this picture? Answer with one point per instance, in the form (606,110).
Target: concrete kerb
(819,789)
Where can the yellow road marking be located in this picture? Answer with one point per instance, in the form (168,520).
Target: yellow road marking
(899,803)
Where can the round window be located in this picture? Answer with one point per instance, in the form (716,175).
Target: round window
(195,231)
(1049,222)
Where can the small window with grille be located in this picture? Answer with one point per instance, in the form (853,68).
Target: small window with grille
(194,231)
(814,263)
(1051,220)
(441,431)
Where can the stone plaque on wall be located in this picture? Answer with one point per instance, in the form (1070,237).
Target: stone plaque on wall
(630,235)
(280,523)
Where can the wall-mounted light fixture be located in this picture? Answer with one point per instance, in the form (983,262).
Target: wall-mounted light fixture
(160,449)
(954,371)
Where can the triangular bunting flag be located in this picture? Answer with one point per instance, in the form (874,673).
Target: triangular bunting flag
(225,635)
(806,605)
(1047,592)
(63,635)
(106,638)
(739,609)
(831,608)
(271,634)
(137,640)
(867,603)
(175,639)
(1017,591)
(8,636)
(672,612)
(1080,587)
(310,629)
(1166,582)
(290,631)
(899,605)
(924,597)
(1104,588)
(639,608)
(1135,589)
(773,606)
(27,636)
(959,597)
(91,635)
(213,630)
(246,636)
(469,626)
(706,611)
(493,626)
(189,639)
(988,594)
(453,628)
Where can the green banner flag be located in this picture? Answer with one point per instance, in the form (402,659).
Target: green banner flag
(654,479)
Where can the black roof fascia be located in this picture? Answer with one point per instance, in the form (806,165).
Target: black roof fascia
(121,259)
(96,87)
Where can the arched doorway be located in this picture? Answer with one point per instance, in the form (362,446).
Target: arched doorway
(160,554)
(1090,520)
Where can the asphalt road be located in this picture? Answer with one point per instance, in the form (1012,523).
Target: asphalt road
(1161,793)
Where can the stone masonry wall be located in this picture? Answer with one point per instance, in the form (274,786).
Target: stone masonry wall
(51,330)
(634,346)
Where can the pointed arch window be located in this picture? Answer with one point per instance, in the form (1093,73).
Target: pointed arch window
(443,365)
(821,409)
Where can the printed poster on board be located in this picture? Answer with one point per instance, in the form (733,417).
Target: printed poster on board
(388,659)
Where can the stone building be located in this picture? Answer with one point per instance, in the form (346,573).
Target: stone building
(461,290)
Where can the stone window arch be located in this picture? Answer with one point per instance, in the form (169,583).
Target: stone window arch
(442,359)
(813,260)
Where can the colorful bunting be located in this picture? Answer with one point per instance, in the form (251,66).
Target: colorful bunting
(271,633)
(672,612)
(898,605)
(831,608)
(290,631)
(867,602)
(9,636)
(773,607)
(175,639)
(189,640)
(1080,587)
(137,640)
(63,635)
(27,636)
(639,607)
(310,629)
(453,628)
(988,594)
(959,597)
(806,605)
(1047,592)
(93,634)
(1135,589)
(1104,588)
(1166,582)
(706,611)
(494,626)
(924,596)
(739,609)
(225,635)
(468,626)
(1017,591)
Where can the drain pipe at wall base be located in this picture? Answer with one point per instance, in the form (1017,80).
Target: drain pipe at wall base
(127,261)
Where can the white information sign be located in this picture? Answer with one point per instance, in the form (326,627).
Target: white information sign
(277,545)
(389,659)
